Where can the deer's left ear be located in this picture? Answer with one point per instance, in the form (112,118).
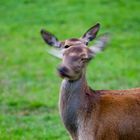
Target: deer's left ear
(91,33)
(50,39)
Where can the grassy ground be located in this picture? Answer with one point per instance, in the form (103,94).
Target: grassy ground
(29,86)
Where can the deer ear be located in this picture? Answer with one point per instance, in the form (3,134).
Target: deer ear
(50,39)
(101,43)
(91,33)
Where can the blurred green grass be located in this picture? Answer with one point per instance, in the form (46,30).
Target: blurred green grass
(29,85)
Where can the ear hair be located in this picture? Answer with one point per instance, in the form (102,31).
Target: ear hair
(100,43)
(91,33)
(56,52)
(50,39)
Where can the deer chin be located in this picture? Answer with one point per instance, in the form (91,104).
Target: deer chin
(68,77)
(63,75)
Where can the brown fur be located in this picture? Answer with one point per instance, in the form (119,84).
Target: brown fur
(117,116)
(114,116)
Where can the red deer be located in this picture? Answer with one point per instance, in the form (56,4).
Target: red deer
(92,114)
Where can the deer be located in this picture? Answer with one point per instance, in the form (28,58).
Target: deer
(86,113)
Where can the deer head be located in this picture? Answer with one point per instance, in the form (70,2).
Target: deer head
(74,52)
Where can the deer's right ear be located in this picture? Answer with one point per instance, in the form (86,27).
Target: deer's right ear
(50,39)
(91,33)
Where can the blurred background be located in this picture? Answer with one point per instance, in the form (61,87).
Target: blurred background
(29,85)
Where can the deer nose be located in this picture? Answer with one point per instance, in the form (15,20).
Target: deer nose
(62,69)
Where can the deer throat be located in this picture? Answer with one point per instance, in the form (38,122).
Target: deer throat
(70,103)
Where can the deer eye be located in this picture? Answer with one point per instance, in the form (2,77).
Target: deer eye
(66,46)
(83,59)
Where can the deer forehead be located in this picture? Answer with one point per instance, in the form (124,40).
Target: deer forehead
(76,51)
(74,41)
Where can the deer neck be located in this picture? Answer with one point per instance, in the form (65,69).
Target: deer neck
(71,99)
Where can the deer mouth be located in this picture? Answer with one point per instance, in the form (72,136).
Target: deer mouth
(63,75)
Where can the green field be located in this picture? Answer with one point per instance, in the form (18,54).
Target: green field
(29,85)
